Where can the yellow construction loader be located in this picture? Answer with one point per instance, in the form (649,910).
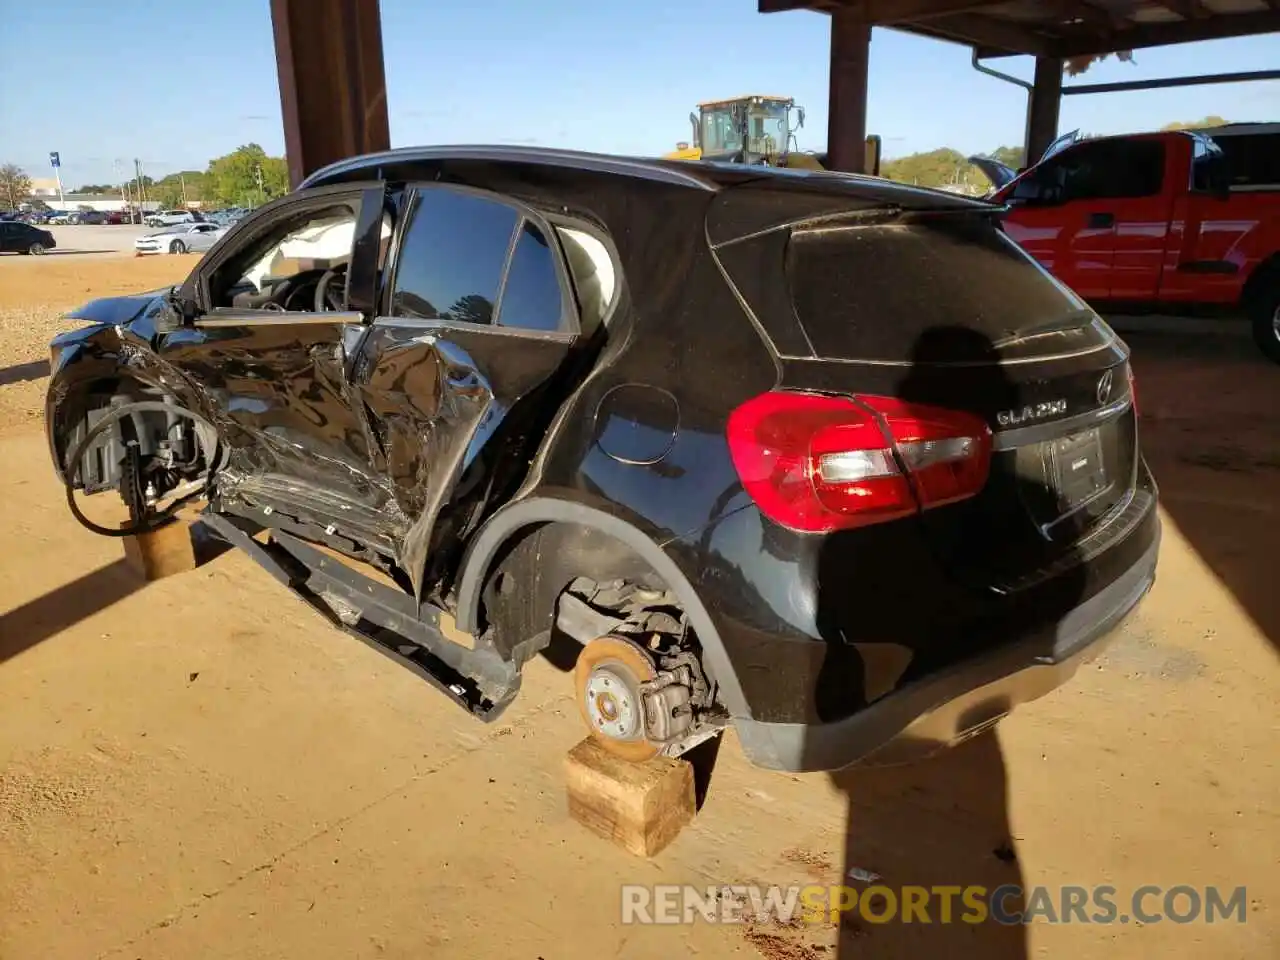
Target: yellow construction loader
(756,129)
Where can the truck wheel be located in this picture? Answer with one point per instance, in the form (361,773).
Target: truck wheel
(1264,314)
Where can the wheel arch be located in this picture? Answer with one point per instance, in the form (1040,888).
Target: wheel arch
(484,556)
(1266,271)
(83,379)
(76,398)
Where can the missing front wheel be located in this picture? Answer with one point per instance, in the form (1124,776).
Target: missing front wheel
(638,681)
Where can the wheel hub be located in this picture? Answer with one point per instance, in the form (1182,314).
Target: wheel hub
(613,704)
(608,679)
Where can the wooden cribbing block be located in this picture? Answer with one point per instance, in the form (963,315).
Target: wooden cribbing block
(639,806)
(161,553)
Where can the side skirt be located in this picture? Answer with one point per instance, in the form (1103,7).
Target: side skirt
(391,622)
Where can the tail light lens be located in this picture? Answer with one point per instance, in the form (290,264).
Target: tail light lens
(819,463)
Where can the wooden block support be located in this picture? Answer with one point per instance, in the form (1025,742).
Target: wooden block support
(640,806)
(161,553)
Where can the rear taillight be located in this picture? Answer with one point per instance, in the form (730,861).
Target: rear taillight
(819,463)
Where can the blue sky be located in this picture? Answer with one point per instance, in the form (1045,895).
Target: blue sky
(176,82)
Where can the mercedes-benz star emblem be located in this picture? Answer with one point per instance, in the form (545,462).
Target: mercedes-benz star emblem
(1104,387)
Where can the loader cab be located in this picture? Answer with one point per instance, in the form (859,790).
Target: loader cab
(751,129)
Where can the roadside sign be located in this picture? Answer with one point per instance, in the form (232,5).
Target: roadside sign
(54,159)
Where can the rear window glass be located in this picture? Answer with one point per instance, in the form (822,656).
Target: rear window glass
(886,291)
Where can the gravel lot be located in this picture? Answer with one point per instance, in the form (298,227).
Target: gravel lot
(36,291)
(202,767)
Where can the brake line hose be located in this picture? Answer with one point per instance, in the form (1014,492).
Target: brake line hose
(115,415)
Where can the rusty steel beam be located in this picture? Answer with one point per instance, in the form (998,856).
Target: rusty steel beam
(1187,9)
(1089,15)
(1043,108)
(889,12)
(882,12)
(1216,27)
(847,108)
(782,6)
(1162,83)
(988,33)
(333,88)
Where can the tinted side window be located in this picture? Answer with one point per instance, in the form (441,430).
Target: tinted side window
(1209,172)
(532,297)
(1201,167)
(1065,176)
(1252,161)
(1104,170)
(451,257)
(899,292)
(1138,170)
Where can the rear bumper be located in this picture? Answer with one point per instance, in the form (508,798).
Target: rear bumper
(960,701)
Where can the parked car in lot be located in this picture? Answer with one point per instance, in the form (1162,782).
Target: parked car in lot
(88,217)
(1162,221)
(183,238)
(826,458)
(18,237)
(170,218)
(59,217)
(117,217)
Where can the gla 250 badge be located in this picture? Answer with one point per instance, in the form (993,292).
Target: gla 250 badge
(1038,411)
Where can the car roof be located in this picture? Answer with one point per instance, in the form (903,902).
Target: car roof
(702,176)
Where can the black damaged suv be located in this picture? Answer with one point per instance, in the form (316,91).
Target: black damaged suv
(823,457)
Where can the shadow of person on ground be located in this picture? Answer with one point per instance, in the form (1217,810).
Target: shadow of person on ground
(20,372)
(55,611)
(939,823)
(59,609)
(921,814)
(1208,426)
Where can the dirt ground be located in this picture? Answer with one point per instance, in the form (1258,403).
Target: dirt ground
(35,292)
(202,767)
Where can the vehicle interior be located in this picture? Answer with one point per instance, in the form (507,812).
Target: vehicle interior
(300,265)
(591,268)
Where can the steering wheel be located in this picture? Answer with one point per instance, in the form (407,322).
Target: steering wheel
(329,295)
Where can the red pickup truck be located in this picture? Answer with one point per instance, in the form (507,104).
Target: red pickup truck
(1160,221)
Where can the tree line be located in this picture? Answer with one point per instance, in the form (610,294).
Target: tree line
(245,177)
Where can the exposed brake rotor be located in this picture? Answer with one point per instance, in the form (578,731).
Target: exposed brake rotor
(607,679)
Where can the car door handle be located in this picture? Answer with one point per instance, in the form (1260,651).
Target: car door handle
(1100,221)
